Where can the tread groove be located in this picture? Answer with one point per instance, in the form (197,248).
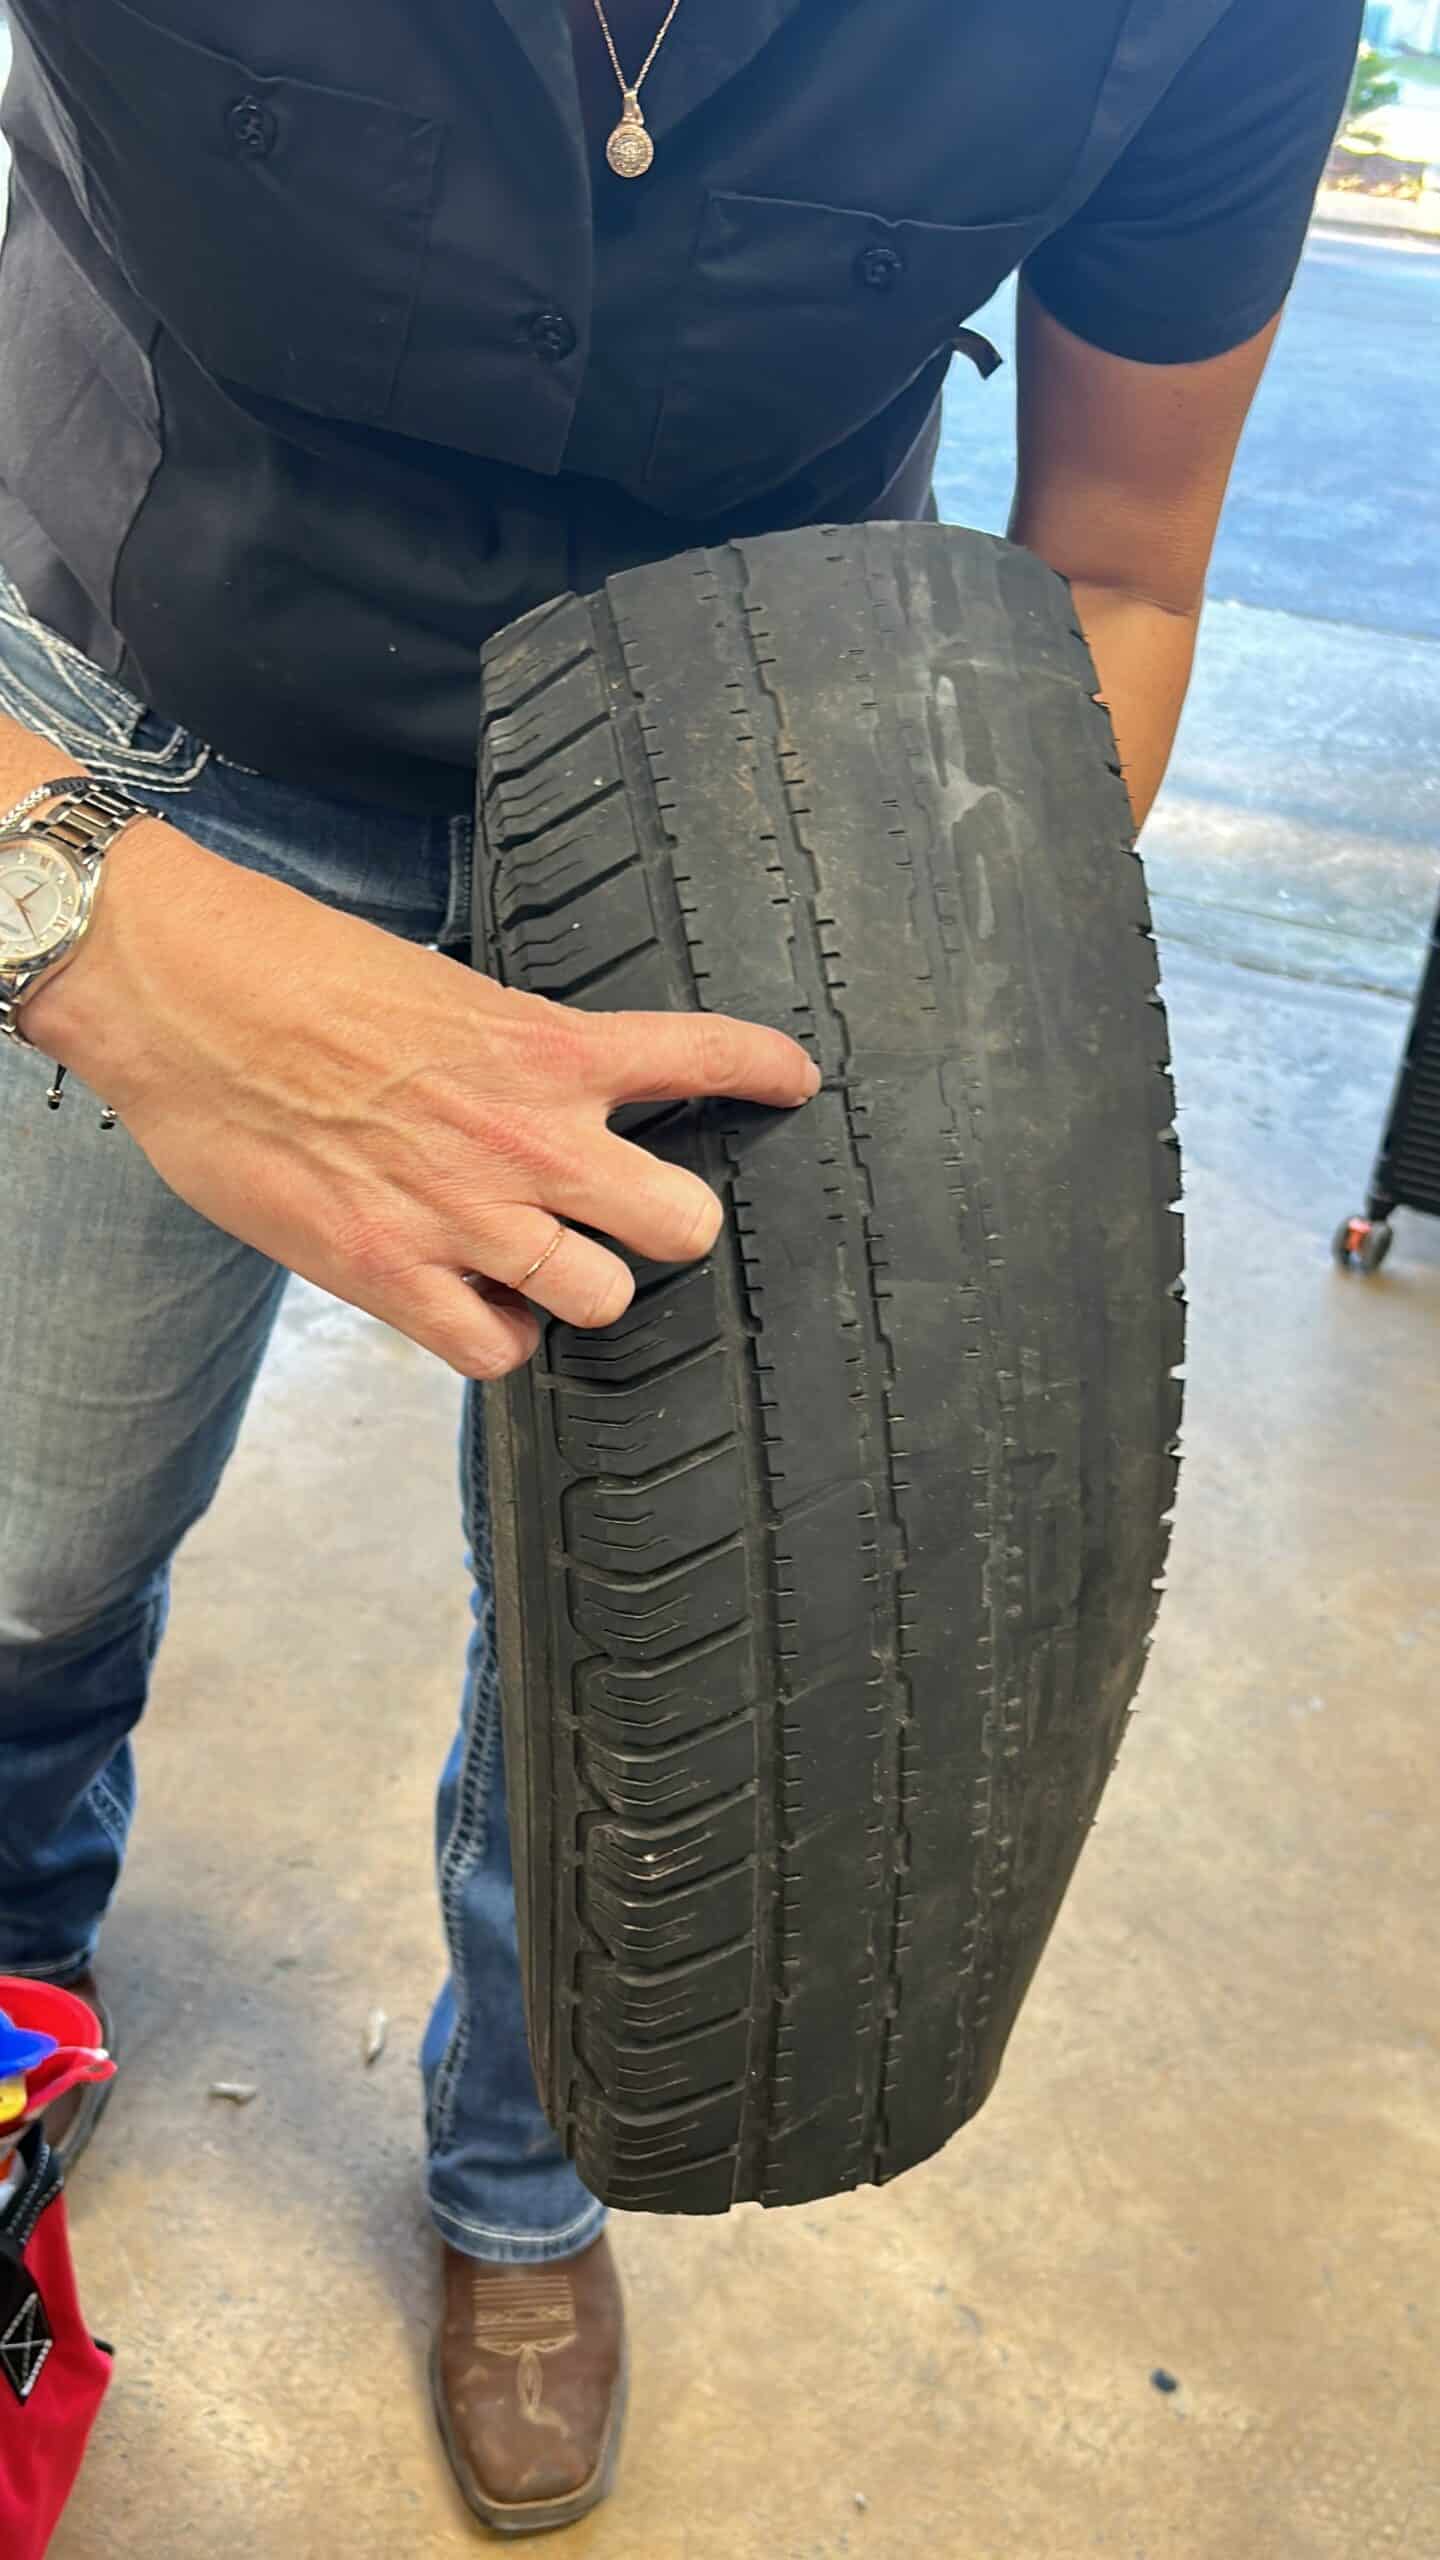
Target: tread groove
(507,772)
(837,1050)
(522,839)
(571,987)
(536,909)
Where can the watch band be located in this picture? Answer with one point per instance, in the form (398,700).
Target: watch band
(88,816)
(67,783)
(73,824)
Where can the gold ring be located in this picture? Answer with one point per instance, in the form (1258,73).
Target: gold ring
(553,1246)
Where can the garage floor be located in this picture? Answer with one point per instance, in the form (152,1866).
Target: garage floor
(1214,2150)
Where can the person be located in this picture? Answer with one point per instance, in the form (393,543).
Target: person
(335,341)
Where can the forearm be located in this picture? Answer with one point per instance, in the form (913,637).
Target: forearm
(1144,654)
(1121,474)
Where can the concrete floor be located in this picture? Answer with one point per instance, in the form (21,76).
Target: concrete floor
(1214,2146)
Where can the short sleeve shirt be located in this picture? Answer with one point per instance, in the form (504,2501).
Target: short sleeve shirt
(329,349)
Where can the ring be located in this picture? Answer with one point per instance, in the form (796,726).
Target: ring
(553,1246)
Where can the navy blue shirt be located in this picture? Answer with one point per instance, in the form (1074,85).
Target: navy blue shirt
(330,344)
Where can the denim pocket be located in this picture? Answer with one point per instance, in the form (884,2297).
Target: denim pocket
(50,686)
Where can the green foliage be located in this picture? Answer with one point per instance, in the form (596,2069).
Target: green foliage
(1373,84)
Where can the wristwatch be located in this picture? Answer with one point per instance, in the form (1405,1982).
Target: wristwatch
(49,876)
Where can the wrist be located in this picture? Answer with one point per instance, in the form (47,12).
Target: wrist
(85,1017)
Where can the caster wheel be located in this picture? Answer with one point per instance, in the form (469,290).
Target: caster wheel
(1364,1241)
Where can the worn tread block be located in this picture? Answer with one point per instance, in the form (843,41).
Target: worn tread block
(653,2008)
(665,1858)
(653,1934)
(644,1529)
(804,2142)
(538,649)
(654,1332)
(542,878)
(644,1428)
(529,804)
(651,1622)
(550,721)
(655,1786)
(630,985)
(670,2184)
(551,954)
(632,1704)
(646,2077)
(674,2137)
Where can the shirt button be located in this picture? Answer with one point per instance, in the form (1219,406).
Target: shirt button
(552,336)
(879,266)
(252,127)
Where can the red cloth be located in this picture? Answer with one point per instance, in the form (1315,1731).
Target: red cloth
(53,2376)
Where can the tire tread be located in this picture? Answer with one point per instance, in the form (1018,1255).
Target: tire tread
(838,1644)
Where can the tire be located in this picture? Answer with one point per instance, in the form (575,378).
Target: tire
(825,1577)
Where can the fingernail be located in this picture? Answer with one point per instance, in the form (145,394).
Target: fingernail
(813,1082)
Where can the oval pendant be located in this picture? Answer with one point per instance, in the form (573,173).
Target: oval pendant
(630,150)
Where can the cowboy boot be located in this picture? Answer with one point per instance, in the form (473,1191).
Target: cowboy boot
(529,2377)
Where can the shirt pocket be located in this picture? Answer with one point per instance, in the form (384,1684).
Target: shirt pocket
(275,227)
(799,324)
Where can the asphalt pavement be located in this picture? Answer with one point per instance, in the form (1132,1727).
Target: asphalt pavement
(1299,823)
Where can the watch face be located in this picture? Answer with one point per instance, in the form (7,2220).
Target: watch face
(40,902)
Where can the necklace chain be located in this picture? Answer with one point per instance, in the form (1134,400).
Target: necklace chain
(631,88)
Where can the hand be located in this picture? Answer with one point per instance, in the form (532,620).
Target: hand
(380,1118)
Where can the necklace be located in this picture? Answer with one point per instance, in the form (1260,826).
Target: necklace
(630,149)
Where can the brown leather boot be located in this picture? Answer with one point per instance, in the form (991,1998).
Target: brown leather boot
(70,2123)
(529,2375)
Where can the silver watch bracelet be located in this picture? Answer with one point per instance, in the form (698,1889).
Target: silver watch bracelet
(70,786)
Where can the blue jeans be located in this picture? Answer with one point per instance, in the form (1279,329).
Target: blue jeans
(109,1281)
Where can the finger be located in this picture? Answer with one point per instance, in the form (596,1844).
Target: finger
(577,1280)
(662,1057)
(478,1336)
(620,1189)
